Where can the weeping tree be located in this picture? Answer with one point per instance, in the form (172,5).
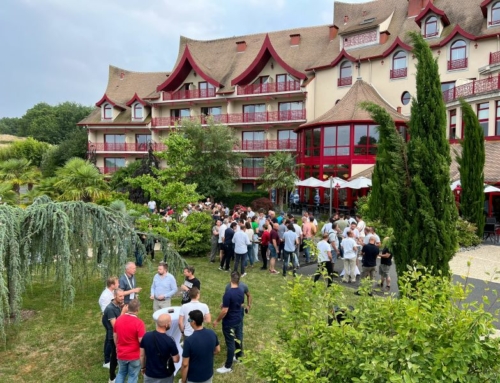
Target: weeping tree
(471,167)
(416,193)
(57,239)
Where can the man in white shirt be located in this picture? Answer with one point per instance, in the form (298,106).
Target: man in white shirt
(327,227)
(222,230)
(370,232)
(152,206)
(354,231)
(241,242)
(250,212)
(108,294)
(324,259)
(194,304)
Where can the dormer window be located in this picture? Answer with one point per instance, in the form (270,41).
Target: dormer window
(107,112)
(138,111)
(431,27)
(458,55)
(399,66)
(345,77)
(495,14)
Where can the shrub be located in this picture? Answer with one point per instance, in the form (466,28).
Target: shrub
(262,203)
(428,334)
(244,198)
(466,233)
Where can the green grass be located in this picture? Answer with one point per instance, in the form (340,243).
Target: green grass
(57,345)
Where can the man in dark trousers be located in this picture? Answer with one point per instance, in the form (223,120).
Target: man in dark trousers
(156,348)
(199,351)
(228,247)
(232,321)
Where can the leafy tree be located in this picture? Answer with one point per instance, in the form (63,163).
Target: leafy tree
(279,173)
(471,168)
(410,338)
(18,172)
(7,195)
(212,159)
(79,180)
(9,125)
(29,149)
(412,180)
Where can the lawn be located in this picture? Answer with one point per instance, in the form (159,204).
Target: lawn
(55,345)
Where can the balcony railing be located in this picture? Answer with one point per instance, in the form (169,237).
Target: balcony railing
(108,170)
(272,87)
(457,64)
(263,145)
(136,147)
(344,81)
(250,172)
(188,94)
(494,58)
(399,73)
(238,118)
(473,88)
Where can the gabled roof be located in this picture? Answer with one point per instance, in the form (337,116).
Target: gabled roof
(266,52)
(105,98)
(134,99)
(348,109)
(431,8)
(343,55)
(398,43)
(182,70)
(456,31)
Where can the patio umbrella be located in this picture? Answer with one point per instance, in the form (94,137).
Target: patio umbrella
(358,183)
(335,181)
(491,189)
(311,182)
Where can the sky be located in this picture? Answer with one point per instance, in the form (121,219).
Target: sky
(60,50)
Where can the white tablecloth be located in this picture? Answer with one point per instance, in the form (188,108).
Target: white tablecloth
(174,330)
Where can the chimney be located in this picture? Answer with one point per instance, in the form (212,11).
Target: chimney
(333,32)
(241,46)
(384,36)
(415,6)
(295,39)
(399,110)
(346,19)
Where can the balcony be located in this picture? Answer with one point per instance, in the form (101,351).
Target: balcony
(238,118)
(457,64)
(399,73)
(473,88)
(494,58)
(136,147)
(344,81)
(265,145)
(250,172)
(272,87)
(188,94)
(108,170)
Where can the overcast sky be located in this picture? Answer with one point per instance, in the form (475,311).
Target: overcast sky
(59,50)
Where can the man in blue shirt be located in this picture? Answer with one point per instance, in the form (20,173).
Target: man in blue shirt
(231,316)
(199,351)
(163,287)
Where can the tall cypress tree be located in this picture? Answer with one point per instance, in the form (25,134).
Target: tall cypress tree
(471,167)
(416,192)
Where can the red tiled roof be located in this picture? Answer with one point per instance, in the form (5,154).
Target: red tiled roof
(431,8)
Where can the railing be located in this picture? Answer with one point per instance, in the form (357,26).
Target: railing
(250,172)
(473,88)
(108,170)
(344,81)
(237,118)
(272,87)
(399,73)
(494,58)
(268,145)
(135,147)
(185,94)
(457,64)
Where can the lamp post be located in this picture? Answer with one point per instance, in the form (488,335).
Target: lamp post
(331,191)
(337,188)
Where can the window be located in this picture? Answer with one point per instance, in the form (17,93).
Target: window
(338,170)
(286,83)
(178,114)
(261,85)
(365,139)
(337,140)
(403,132)
(252,167)
(289,111)
(405,98)
(453,124)
(448,90)
(458,55)
(497,118)
(361,39)
(312,142)
(399,68)
(287,139)
(138,111)
(107,112)
(253,141)
(211,110)
(141,142)
(345,77)
(113,164)
(483,113)
(247,187)
(495,14)
(254,113)
(114,142)
(431,27)
(206,89)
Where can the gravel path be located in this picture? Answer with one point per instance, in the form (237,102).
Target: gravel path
(484,263)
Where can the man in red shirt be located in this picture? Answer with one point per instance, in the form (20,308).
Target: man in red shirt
(128,333)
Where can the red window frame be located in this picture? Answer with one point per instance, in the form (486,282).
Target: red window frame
(495,14)
(312,147)
(173,113)
(484,106)
(289,142)
(345,78)
(452,128)
(431,21)
(366,148)
(141,145)
(398,70)
(497,119)
(137,107)
(337,150)
(459,46)
(206,89)
(107,112)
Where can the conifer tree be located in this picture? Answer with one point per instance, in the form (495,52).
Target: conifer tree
(471,167)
